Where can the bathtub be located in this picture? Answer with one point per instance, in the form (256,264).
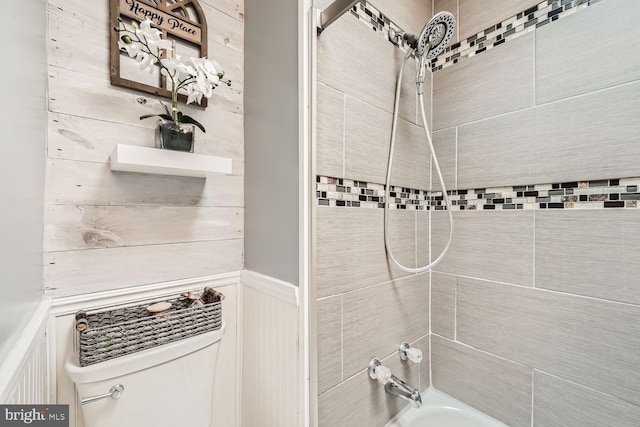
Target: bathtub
(441,410)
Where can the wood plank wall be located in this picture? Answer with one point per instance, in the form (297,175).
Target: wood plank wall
(107,230)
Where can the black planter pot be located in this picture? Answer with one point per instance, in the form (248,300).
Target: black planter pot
(175,136)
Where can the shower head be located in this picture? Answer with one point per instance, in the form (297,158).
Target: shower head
(435,35)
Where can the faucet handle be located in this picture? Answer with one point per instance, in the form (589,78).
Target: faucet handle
(410,353)
(379,372)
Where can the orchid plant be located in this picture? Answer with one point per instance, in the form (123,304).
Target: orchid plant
(196,77)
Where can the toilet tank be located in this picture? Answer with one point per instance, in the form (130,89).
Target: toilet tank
(166,386)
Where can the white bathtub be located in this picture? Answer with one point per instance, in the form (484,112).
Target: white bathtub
(441,410)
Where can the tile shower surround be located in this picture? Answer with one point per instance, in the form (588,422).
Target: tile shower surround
(517,25)
(595,194)
(567,333)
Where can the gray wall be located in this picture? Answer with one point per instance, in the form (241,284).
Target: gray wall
(271,138)
(543,303)
(367,308)
(22,154)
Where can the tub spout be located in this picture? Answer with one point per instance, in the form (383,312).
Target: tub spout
(399,388)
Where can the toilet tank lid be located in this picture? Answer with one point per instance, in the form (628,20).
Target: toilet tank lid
(141,360)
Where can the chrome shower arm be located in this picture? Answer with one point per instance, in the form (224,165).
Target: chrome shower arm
(334,11)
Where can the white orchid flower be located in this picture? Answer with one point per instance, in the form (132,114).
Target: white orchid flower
(153,38)
(146,61)
(193,94)
(166,45)
(148,31)
(132,48)
(208,68)
(203,85)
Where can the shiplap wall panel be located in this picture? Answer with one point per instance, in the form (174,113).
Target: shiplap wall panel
(233,8)
(108,230)
(90,227)
(91,140)
(86,183)
(223,29)
(78,272)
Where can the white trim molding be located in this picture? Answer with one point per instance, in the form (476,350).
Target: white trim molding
(24,376)
(69,305)
(271,286)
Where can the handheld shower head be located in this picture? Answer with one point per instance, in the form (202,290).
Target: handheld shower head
(435,35)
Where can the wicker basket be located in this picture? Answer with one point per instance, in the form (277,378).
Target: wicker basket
(104,335)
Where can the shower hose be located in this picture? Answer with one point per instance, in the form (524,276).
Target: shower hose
(435,164)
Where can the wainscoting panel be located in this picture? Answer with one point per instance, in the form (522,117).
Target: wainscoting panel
(270,352)
(24,374)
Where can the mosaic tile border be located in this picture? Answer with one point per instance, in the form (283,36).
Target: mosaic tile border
(594,194)
(509,29)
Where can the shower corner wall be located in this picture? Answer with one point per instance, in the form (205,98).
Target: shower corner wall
(536,295)
(366,307)
(535,135)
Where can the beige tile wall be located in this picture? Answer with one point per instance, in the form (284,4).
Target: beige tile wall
(443,304)
(445,145)
(551,294)
(367,307)
(460,96)
(498,387)
(535,316)
(565,68)
(580,125)
(495,246)
(604,259)
(561,403)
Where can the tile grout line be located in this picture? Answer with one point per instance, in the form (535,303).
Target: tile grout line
(344,134)
(533,273)
(456,165)
(533,394)
(341,339)
(455,310)
(545,290)
(430,361)
(415,239)
(591,389)
(458,20)
(535,37)
(468,346)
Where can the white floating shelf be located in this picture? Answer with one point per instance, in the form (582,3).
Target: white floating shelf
(131,158)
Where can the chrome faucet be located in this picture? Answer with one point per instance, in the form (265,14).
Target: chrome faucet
(399,388)
(394,385)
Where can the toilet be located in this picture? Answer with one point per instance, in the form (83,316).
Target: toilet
(165,386)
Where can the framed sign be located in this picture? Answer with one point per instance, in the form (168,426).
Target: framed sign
(181,21)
